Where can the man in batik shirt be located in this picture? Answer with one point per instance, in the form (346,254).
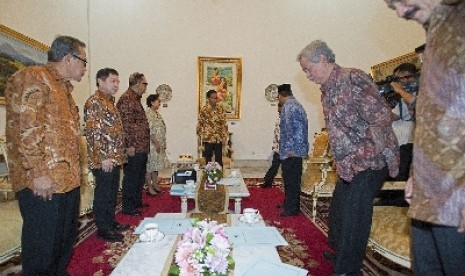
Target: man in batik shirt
(137,140)
(105,152)
(293,146)
(437,189)
(212,128)
(43,142)
(364,145)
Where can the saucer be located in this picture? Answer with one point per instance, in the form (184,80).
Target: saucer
(242,219)
(145,238)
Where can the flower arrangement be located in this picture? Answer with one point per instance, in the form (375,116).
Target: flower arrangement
(204,250)
(213,172)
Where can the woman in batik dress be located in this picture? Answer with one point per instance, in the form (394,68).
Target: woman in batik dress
(157,159)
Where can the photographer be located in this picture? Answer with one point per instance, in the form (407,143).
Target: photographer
(402,96)
(405,87)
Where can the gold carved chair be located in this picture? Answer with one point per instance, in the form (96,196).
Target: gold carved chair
(319,177)
(6,187)
(390,234)
(87,181)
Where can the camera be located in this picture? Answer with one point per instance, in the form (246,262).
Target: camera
(386,90)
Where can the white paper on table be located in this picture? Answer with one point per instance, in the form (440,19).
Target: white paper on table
(230,181)
(166,226)
(253,236)
(261,266)
(182,190)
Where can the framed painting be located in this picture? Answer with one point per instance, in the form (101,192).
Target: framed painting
(17,51)
(224,75)
(381,71)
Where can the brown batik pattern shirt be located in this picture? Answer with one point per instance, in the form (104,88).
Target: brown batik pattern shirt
(135,124)
(439,151)
(42,129)
(104,130)
(212,125)
(359,124)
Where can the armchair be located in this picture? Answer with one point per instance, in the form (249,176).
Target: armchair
(5,185)
(319,178)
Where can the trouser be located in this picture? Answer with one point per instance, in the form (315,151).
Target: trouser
(133,181)
(273,170)
(211,148)
(49,231)
(406,153)
(350,218)
(437,249)
(106,189)
(292,173)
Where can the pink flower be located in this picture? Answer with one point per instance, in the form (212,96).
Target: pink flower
(194,255)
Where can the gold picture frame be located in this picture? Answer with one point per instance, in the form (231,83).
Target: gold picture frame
(381,71)
(224,75)
(16,52)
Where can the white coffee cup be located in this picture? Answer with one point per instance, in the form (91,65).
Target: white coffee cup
(233,173)
(251,214)
(151,230)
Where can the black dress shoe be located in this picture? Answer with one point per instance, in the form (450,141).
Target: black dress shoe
(330,257)
(288,214)
(110,236)
(120,227)
(132,213)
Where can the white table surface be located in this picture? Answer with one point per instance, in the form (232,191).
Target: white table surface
(146,259)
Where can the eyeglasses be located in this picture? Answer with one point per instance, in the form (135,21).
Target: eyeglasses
(81,59)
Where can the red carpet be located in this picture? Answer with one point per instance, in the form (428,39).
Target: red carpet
(306,242)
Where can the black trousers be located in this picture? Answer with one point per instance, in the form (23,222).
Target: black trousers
(106,189)
(350,218)
(437,249)
(292,174)
(49,231)
(273,170)
(406,155)
(210,148)
(133,181)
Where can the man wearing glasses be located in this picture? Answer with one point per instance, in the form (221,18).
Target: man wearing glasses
(137,142)
(43,141)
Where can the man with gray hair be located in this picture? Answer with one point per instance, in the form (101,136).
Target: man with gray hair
(365,149)
(43,140)
(436,191)
(137,143)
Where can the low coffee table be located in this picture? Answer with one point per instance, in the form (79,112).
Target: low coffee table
(151,258)
(236,192)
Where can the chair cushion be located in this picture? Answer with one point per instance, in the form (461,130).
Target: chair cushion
(390,230)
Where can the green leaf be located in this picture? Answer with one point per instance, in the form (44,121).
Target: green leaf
(174,271)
